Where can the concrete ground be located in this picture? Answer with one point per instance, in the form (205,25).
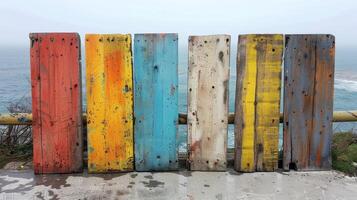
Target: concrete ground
(178,185)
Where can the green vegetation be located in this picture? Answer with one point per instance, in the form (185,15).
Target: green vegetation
(15,153)
(16,140)
(344,152)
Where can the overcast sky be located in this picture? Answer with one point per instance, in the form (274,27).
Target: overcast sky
(186,17)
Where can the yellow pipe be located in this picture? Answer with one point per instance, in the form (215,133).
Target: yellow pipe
(345,116)
(16,119)
(26,118)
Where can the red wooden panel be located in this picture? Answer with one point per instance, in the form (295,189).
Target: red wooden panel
(56,97)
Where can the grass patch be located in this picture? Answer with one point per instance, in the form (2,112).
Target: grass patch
(15,153)
(344,152)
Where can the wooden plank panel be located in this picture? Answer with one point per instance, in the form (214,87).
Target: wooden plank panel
(56,93)
(269,64)
(109,103)
(245,106)
(308,99)
(156,101)
(208,101)
(258,102)
(36,103)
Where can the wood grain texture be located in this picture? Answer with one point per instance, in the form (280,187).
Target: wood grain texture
(257,103)
(308,101)
(109,103)
(207,116)
(56,97)
(156,101)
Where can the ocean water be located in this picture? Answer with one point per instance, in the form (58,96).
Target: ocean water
(15,83)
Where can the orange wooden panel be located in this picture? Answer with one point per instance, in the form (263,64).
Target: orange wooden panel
(109,103)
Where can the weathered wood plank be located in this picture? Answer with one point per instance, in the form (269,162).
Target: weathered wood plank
(156,101)
(308,100)
(56,93)
(109,103)
(258,102)
(207,116)
(36,103)
(269,65)
(245,106)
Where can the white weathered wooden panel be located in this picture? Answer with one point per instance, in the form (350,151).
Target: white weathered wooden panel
(208,101)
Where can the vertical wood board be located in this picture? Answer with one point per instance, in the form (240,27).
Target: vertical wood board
(258,102)
(156,101)
(56,97)
(109,103)
(308,101)
(207,117)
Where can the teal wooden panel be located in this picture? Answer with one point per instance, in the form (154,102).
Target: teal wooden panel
(156,101)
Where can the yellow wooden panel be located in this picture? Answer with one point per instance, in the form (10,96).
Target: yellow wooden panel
(248,101)
(258,102)
(109,102)
(270,48)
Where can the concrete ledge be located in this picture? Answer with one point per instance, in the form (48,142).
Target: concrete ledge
(178,185)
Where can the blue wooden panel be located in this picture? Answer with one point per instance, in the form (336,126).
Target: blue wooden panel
(309,64)
(156,101)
